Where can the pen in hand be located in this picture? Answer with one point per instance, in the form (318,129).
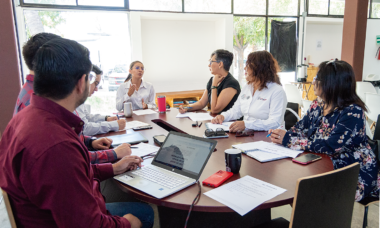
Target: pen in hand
(117,116)
(280,127)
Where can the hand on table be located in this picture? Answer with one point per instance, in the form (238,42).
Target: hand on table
(237,126)
(133,220)
(123,150)
(131,90)
(182,110)
(121,123)
(101,144)
(112,118)
(144,105)
(218,119)
(130,162)
(277,135)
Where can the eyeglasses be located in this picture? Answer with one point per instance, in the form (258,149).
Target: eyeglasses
(247,132)
(96,84)
(213,61)
(217,132)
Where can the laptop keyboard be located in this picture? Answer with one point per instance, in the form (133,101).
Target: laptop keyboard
(160,178)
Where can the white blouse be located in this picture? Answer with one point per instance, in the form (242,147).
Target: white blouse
(264,111)
(146,92)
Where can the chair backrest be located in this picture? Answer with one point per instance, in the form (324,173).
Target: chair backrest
(306,105)
(9,210)
(376,135)
(372,100)
(293,94)
(325,200)
(291,117)
(364,87)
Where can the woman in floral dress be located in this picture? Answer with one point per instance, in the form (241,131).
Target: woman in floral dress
(335,125)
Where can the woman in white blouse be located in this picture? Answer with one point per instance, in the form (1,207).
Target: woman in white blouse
(140,93)
(262,102)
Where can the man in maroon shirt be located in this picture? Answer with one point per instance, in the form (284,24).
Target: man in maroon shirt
(45,167)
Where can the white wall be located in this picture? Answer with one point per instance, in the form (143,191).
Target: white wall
(371,64)
(175,47)
(327,30)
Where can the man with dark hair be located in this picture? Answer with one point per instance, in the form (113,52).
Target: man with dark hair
(95,123)
(46,168)
(28,52)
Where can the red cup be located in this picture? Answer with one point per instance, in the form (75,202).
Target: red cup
(161,101)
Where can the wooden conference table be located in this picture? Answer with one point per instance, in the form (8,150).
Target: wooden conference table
(283,173)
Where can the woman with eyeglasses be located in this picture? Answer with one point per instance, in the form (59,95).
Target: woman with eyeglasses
(135,90)
(335,125)
(262,101)
(222,90)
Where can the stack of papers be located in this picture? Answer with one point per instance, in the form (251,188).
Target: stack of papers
(225,126)
(135,123)
(265,151)
(245,194)
(196,116)
(144,149)
(144,112)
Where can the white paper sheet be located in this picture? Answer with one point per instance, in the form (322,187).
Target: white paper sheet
(179,115)
(225,126)
(244,194)
(200,116)
(268,147)
(144,149)
(144,112)
(135,123)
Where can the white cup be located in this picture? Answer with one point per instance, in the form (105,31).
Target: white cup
(128,109)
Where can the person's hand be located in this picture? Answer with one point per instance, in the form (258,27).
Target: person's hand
(133,220)
(218,119)
(182,110)
(132,89)
(144,105)
(101,144)
(217,79)
(123,150)
(237,126)
(121,123)
(277,135)
(129,162)
(112,118)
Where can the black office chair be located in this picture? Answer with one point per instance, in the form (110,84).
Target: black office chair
(324,200)
(291,115)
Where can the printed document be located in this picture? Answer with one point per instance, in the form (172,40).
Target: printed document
(135,123)
(144,112)
(267,147)
(144,149)
(244,194)
(225,126)
(196,116)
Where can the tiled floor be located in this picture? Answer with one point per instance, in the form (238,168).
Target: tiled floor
(284,211)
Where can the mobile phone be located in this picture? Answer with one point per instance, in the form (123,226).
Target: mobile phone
(159,139)
(306,159)
(216,179)
(142,128)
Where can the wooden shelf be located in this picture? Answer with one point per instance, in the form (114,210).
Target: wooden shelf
(181,96)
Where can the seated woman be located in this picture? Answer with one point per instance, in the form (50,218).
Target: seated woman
(262,101)
(140,93)
(335,125)
(223,89)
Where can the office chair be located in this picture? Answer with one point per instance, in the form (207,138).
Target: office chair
(325,200)
(291,115)
(9,210)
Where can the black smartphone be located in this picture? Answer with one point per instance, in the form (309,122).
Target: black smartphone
(306,159)
(159,139)
(142,128)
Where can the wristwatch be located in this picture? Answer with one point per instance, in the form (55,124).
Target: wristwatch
(214,87)
(106,118)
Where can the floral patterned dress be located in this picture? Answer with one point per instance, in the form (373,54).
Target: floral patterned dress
(341,135)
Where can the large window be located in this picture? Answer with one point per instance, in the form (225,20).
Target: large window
(375,9)
(108,42)
(257,7)
(283,7)
(162,5)
(212,6)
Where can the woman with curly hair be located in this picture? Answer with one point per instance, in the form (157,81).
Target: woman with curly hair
(262,102)
(335,125)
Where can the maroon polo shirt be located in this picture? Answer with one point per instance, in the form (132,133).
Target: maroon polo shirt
(46,170)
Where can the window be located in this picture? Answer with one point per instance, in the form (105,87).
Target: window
(162,5)
(337,7)
(211,6)
(318,7)
(52,2)
(375,9)
(108,42)
(114,3)
(249,36)
(282,7)
(257,7)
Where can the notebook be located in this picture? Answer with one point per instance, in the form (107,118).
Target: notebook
(178,164)
(225,126)
(263,156)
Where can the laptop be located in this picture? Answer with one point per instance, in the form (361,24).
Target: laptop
(178,164)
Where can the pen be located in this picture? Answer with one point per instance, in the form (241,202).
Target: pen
(134,147)
(186,107)
(200,124)
(280,127)
(117,116)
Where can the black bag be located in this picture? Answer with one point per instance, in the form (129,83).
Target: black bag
(375,146)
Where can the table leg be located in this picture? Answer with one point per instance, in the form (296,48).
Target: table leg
(170,217)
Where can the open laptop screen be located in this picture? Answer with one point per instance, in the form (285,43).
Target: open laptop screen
(184,154)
